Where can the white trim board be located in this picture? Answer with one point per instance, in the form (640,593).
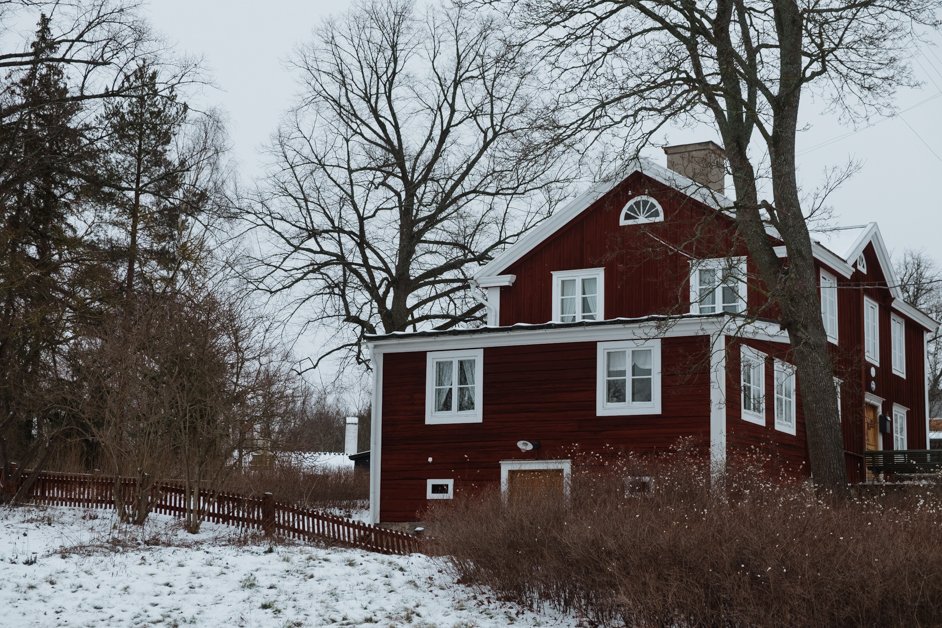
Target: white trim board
(376,435)
(625,329)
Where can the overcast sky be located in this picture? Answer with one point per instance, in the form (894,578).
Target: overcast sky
(246,43)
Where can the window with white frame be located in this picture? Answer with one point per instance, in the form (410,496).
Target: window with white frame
(578,295)
(440,489)
(785,402)
(872,331)
(628,378)
(899,426)
(752,384)
(898,341)
(862,263)
(640,210)
(454,386)
(718,285)
(829,304)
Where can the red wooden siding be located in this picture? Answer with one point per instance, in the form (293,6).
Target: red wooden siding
(644,271)
(854,370)
(542,392)
(787,453)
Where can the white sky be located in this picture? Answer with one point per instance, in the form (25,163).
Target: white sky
(246,43)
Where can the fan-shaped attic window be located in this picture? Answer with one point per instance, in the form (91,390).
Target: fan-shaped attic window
(640,210)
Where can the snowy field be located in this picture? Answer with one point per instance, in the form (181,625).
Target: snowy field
(75,567)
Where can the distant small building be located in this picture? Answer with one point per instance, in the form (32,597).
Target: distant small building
(935,433)
(361,461)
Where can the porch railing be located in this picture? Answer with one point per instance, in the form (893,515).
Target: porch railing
(904,460)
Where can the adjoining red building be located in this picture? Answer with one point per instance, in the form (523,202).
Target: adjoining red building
(629,319)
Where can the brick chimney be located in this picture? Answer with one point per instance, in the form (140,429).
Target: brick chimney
(704,162)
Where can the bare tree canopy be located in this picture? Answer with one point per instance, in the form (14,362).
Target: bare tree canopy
(414,155)
(920,280)
(742,66)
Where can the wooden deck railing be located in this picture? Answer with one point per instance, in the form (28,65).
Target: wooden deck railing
(904,460)
(248,512)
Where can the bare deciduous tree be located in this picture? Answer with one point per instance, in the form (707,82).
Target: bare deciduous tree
(413,156)
(920,280)
(744,66)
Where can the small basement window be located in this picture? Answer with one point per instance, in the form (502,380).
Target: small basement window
(440,489)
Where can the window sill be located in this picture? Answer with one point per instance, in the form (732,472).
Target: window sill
(786,428)
(453,419)
(754,418)
(633,410)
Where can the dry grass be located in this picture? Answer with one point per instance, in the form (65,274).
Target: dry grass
(761,553)
(341,491)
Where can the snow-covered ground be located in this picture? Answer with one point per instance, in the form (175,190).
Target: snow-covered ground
(75,567)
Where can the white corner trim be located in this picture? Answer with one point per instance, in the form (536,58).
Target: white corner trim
(925,387)
(376,434)
(717,406)
(535,465)
(493,306)
(496,281)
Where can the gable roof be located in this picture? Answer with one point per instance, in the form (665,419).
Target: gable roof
(850,242)
(838,248)
(585,200)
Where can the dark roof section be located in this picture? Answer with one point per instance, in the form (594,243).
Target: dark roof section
(662,318)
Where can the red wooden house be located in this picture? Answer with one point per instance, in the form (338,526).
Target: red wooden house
(629,319)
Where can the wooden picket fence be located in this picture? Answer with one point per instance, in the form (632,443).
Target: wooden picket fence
(263,513)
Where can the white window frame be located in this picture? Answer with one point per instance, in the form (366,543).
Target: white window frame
(871,340)
(735,264)
(753,355)
(449,482)
(627,408)
(898,344)
(586,273)
(862,263)
(829,306)
(900,436)
(506,466)
(432,417)
(789,423)
(622,221)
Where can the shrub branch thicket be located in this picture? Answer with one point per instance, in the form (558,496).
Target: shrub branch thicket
(763,551)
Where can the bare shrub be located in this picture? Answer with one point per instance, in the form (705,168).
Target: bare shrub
(340,490)
(762,552)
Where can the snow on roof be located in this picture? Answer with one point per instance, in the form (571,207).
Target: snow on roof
(843,241)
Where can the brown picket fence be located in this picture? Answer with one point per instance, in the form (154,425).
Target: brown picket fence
(262,513)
